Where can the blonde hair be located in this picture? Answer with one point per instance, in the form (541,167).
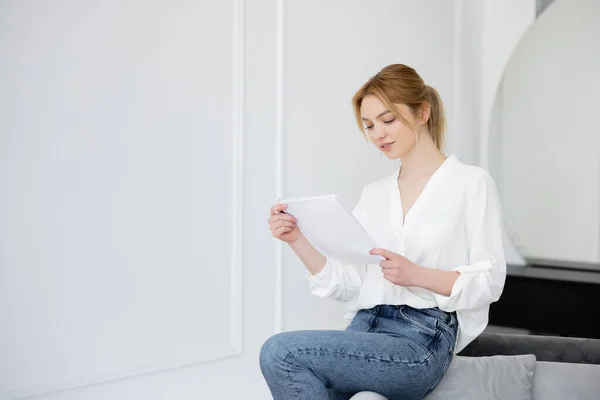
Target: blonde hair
(401,84)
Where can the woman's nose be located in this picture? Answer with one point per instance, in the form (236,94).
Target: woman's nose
(378,132)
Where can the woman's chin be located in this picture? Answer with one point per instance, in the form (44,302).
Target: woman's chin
(401,153)
(392,156)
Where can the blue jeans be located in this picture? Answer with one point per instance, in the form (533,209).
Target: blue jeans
(399,352)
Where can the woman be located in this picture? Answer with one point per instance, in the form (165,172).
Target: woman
(440,225)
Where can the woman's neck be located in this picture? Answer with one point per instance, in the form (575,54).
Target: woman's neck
(422,159)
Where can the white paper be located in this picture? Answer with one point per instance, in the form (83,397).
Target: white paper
(332,228)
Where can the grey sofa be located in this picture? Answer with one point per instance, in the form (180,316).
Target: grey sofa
(565,368)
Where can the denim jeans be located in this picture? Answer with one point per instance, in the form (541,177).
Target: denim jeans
(399,352)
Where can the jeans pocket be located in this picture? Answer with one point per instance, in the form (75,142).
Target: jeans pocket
(425,322)
(447,319)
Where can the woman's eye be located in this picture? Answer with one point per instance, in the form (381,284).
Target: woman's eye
(369,127)
(390,121)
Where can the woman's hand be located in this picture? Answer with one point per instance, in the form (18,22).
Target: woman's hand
(398,269)
(283,226)
(401,271)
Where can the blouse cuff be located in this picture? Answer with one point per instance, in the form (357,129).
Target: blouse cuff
(322,276)
(477,267)
(466,269)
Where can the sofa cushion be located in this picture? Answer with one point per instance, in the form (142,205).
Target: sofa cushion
(566,381)
(491,378)
(368,396)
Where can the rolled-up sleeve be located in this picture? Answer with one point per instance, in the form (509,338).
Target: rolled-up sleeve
(338,280)
(481,282)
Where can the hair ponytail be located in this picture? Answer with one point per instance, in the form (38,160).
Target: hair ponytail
(437,120)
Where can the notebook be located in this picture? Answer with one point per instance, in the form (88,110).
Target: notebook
(332,228)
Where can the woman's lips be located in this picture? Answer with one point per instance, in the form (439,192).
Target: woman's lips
(386,147)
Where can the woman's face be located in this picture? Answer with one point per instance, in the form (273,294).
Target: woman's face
(385,131)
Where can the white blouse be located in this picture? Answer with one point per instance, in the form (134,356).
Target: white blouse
(455,225)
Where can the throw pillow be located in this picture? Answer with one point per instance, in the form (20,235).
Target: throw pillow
(491,378)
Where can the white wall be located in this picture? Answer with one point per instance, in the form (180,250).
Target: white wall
(120,247)
(544,48)
(505,23)
(544,134)
(492,32)
(135,258)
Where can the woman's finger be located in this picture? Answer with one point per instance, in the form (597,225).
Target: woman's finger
(282,216)
(277,208)
(286,223)
(387,264)
(389,255)
(280,231)
(281,223)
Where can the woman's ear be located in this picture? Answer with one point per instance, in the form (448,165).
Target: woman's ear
(424,112)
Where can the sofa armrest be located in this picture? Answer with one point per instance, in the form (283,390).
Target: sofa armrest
(545,348)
